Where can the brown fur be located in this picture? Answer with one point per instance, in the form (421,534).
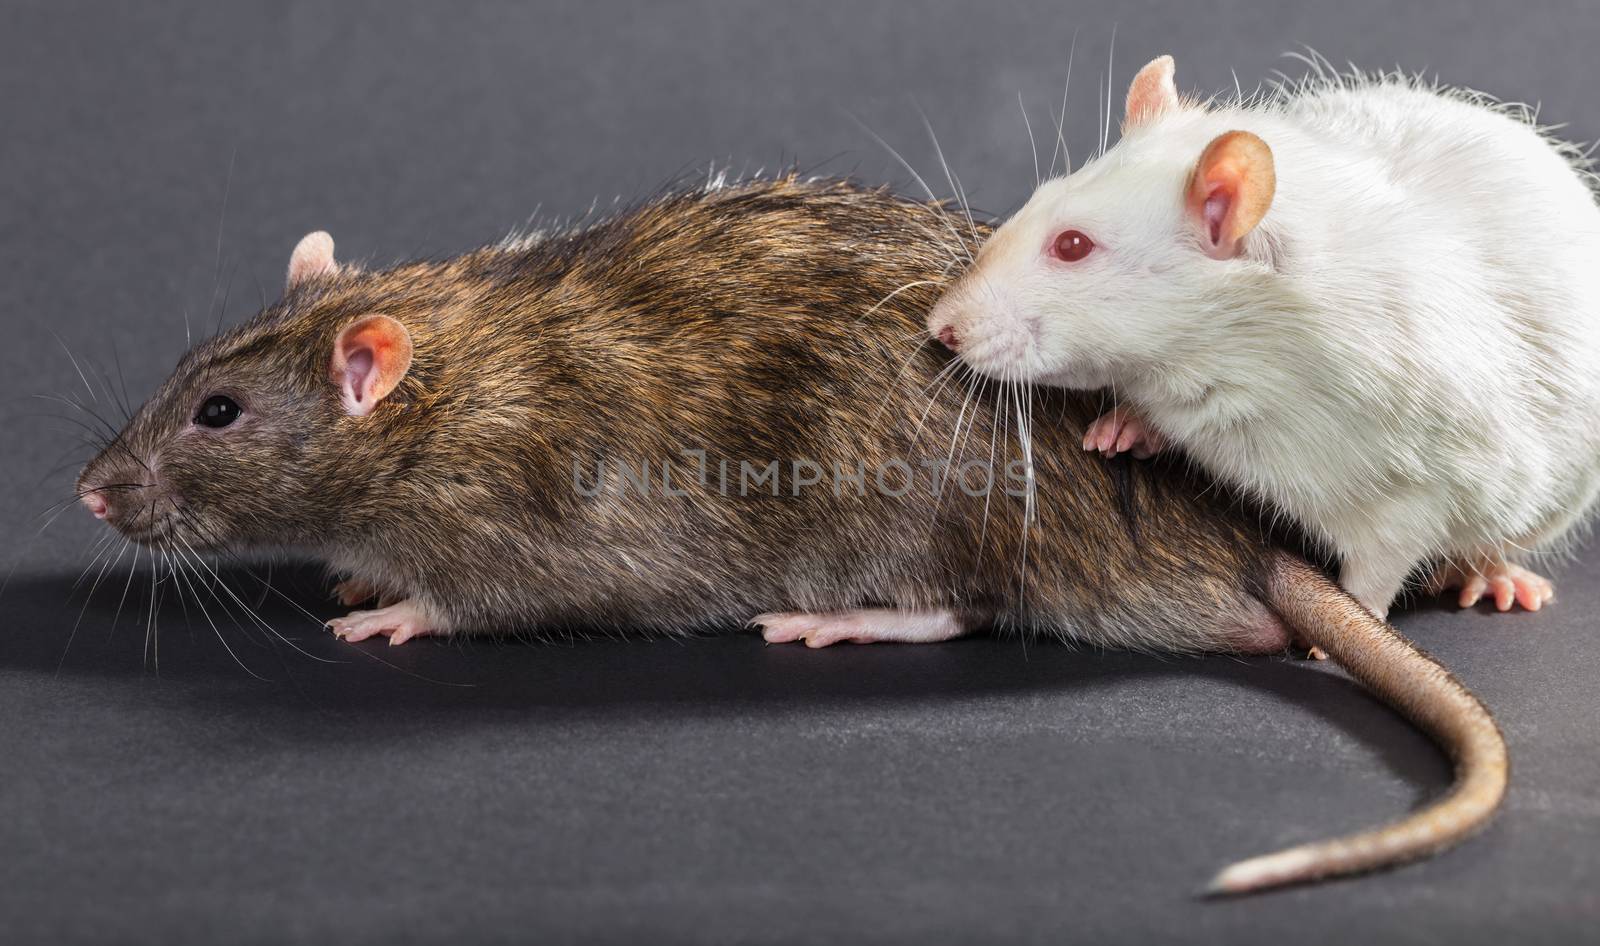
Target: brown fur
(771,320)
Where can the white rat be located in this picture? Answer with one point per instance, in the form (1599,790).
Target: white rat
(1372,301)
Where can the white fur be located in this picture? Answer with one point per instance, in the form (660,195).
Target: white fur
(1405,357)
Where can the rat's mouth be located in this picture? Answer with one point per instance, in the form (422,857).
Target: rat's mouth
(149,531)
(1009,352)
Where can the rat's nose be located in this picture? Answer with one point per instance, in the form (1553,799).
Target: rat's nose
(96,503)
(947,337)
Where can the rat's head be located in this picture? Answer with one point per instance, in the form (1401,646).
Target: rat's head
(220,457)
(1093,280)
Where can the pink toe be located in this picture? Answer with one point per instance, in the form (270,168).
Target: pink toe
(351,635)
(1113,431)
(1505,594)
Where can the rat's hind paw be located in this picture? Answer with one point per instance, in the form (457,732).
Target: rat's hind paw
(867,626)
(1121,431)
(1506,584)
(399,622)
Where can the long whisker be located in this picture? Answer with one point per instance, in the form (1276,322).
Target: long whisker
(961,241)
(195,557)
(96,549)
(151,627)
(955,434)
(238,563)
(76,367)
(1111,58)
(910,285)
(988,496)
(133,567)
(916,352)
(89,598)
(974,384)
(1061,120)
(112,436)
(1100,121)
(222,217)
(1033,146)
(955,186)
(932,391)
(296,605)
(110,430)
(183,575)
(1029,512)
(122,384)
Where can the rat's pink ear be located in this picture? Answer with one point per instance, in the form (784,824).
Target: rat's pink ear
(1152,93)
(1230,191)
(312,257)
(370,357)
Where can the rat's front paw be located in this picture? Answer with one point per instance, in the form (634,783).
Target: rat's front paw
(399,622)
(1122,431)
(1506,583)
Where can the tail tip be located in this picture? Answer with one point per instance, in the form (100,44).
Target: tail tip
(1263,873)
(1228,882)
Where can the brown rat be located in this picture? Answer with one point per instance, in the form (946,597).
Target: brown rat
(556,432)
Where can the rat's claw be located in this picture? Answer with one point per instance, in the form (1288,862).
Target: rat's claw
(788,628)
(1120,430)
(399,622)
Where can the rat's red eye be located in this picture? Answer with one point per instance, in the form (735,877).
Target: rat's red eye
(1072,245)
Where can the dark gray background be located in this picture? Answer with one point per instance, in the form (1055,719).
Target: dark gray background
(156,158)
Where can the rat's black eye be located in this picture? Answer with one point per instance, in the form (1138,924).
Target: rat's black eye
(218,411)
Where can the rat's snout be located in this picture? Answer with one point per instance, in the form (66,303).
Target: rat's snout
(112,503)
(944,318)
(96,504)
(980,325)
(129,507)
(121,495)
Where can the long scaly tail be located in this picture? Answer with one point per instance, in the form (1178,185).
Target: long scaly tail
(1415,685)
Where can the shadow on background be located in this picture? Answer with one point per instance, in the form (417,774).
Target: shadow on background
(456,681)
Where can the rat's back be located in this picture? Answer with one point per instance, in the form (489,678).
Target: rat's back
(1470,261)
